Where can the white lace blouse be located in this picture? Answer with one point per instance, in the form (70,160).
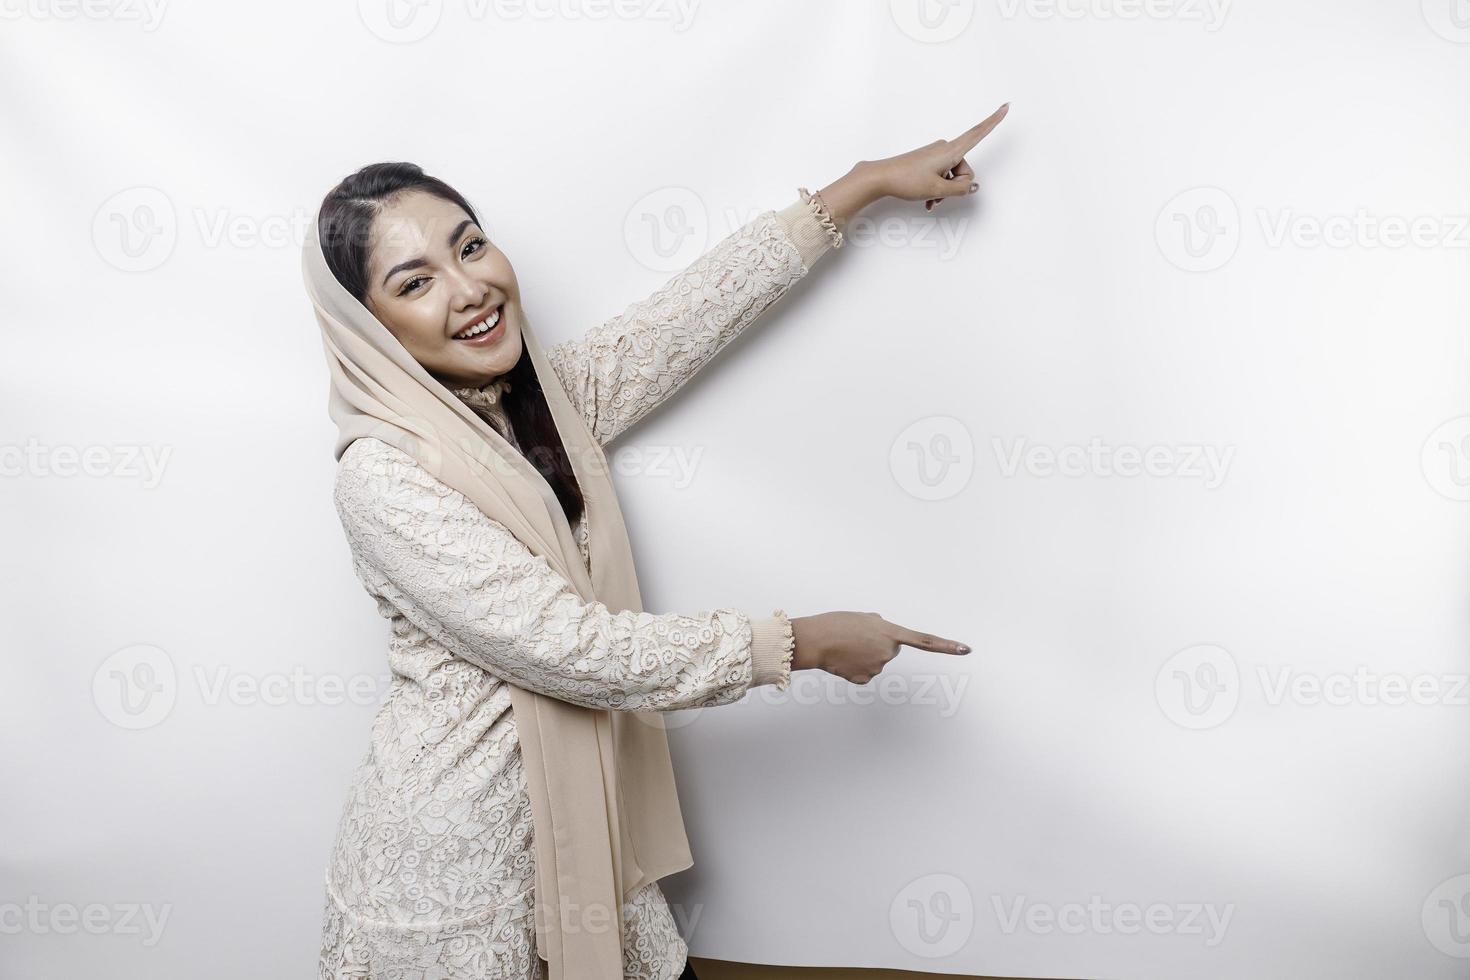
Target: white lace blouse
(432,872)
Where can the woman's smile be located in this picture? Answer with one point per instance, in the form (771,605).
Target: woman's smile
(484,331)
(442,287)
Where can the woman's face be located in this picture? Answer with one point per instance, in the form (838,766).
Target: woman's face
(432,275)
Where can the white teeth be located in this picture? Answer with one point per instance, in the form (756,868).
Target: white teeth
(486,324)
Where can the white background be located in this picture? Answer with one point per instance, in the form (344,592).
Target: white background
(1238,230)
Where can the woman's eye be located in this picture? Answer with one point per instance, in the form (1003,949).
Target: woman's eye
(412,285)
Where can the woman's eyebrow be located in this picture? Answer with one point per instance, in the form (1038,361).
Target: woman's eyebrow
(415,263)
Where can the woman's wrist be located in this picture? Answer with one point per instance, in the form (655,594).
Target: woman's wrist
(853,191)
(804,652)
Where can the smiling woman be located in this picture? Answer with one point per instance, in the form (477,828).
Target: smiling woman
(410,248)
(517,805)
(440,299)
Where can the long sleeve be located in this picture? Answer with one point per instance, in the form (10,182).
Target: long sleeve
(430,555)
(622,370)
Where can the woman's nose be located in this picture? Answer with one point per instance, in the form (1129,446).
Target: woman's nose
(469,292)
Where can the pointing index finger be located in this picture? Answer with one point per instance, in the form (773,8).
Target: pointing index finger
(966,141)
(928,641)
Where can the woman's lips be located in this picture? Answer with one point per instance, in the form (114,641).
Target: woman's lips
(489,336)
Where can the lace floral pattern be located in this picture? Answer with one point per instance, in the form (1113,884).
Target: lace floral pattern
(496,946)
(432,872)
(505,610)
(622,370)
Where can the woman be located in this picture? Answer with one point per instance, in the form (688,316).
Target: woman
(517,805)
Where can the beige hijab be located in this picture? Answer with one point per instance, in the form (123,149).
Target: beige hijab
(601,783)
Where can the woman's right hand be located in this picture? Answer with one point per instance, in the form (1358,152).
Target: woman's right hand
(857,646)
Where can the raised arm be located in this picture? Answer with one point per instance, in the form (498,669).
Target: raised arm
(622,370)
(430,555)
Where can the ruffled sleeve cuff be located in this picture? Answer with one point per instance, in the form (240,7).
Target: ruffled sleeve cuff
(799,221)
(772,645)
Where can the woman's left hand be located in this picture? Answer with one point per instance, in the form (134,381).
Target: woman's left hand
(929,174)
(939,170)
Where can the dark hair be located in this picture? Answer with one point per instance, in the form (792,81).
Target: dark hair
(344,226)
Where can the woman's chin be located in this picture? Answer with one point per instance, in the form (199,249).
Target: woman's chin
(491,361)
